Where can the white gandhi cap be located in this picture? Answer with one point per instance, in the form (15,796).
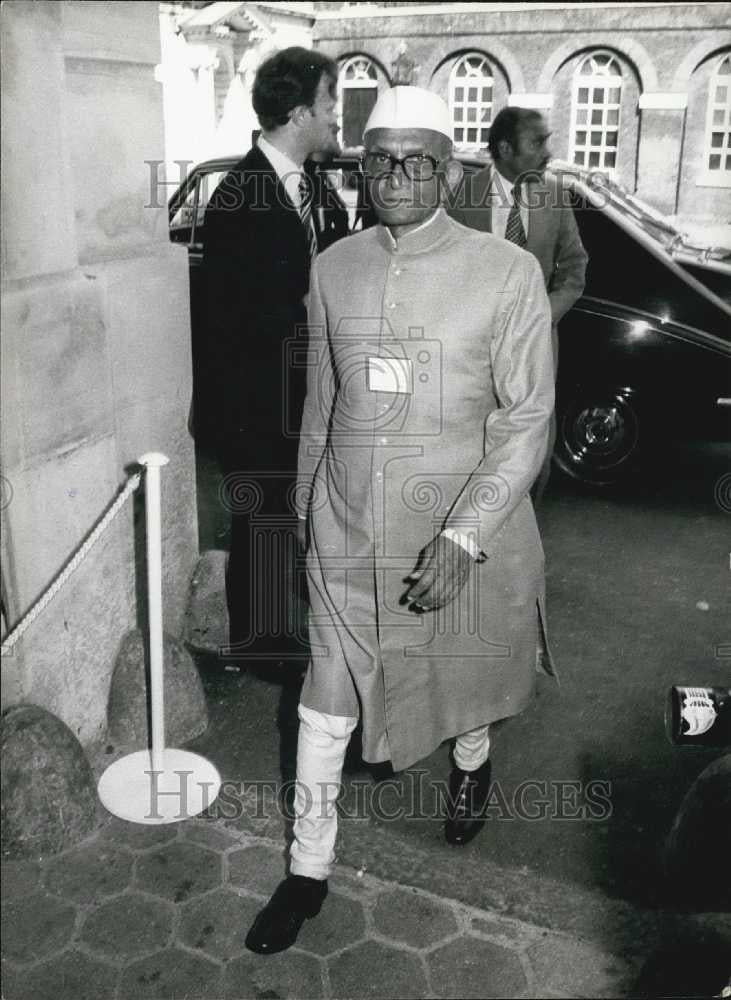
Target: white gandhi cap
(410,107)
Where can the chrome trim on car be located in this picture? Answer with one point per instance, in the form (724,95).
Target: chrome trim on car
(656,324)
(602,198)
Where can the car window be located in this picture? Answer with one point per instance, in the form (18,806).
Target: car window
(183,218)
(715,276)
(187,221)
(207,184)
(617,244)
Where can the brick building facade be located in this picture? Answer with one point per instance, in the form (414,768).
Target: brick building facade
(640,89)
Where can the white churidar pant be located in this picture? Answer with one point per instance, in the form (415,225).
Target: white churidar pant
(323,741)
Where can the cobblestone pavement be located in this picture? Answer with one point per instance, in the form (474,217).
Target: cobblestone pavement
(162,911)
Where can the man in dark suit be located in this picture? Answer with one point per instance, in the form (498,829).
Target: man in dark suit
(262,230)
(514,199)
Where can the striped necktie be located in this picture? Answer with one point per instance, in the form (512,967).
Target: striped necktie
(514,230)
(305,211)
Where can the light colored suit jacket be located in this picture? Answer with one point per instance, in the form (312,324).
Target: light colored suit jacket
(553,237)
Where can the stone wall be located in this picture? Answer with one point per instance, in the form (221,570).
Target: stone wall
(663,50)
(96,363)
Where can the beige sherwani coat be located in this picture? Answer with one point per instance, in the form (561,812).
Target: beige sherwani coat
(430,387)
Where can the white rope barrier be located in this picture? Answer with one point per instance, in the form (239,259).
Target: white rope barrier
(71,566)
(159,785)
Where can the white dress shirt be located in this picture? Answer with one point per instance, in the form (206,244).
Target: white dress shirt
(287,170)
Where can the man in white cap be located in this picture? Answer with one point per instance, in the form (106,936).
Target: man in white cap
(430,388)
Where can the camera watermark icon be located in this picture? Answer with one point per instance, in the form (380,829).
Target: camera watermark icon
(365,380)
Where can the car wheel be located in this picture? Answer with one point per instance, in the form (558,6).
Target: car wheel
(597,437)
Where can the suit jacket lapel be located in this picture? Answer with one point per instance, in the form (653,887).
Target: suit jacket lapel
(282,204)
(262,165)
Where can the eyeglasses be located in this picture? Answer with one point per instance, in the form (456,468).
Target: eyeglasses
(416,166)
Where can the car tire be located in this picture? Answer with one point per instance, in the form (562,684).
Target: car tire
(598,436)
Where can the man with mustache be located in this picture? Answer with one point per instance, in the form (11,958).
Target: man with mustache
(514,199)
(430,388)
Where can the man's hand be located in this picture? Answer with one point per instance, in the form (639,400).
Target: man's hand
(302,533)
(441,571)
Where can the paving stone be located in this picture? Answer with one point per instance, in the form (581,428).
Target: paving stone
(469,967)
(256,869)
(205,833)
(178,871)
(18,878)
(90,873)
(128,927)
(340,922)
(579,968)
(218,923)
(269,828)
(359,886)
(510,932)
(254,812)
(138,836)
(405,915)
(372,969)
(251,807)
(172,974)
(289,975)
(72,976)
(35,926)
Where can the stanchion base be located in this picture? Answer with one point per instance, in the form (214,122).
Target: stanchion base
(186,785)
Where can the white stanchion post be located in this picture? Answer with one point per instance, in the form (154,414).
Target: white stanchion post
(159,785)
(153,462)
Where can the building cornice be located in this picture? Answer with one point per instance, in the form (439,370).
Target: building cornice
(366,10)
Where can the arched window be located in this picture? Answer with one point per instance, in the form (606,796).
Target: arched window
(595,110)
(358,89)
(470,101)
(717,146)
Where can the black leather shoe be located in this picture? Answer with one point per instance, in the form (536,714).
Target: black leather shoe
(295,900)
(467,804)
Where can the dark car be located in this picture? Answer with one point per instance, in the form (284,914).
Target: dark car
(645,354)
(187,209)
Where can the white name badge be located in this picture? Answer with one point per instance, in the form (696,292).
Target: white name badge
(390,375)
